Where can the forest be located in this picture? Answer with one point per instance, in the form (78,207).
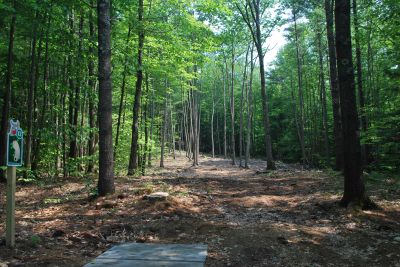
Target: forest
(233,108)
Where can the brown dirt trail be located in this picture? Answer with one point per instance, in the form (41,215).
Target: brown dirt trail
(287,217)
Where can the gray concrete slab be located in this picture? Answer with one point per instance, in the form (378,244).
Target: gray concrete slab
(149,255)
(142,263)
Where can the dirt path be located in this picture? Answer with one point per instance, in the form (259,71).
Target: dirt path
(288,217)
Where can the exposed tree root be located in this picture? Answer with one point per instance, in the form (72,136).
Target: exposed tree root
(364,203)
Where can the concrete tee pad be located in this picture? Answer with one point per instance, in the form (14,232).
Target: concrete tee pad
(152,255)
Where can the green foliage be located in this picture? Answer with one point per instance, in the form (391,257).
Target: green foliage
(192,45)
(35,240)
(91,188)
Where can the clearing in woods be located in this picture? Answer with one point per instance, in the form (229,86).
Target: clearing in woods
(288,217)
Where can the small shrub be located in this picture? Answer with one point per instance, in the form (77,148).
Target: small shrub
(35,240)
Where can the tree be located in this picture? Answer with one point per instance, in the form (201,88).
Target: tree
(354,190)
(106,161)
(337,126)
(7,96)
(299,85)
(133,160)
(251,14)
(365,148)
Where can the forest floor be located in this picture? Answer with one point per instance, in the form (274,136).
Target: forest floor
(287,217)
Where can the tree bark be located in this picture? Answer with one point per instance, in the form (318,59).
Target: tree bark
(7,96)
(354,190)
(224,88)
(212,123)
(151,123)
(43,109)
(249,96)
(323,97)
(300,91)
(172,124)
(242,108)
(164,128)
(106,161)
(337,124)
(74,99)
(365,148)
(121,101)
(146,128)
(233,146)
(253,22)
(133,159)
(92,91)
(267,128)
(31,98)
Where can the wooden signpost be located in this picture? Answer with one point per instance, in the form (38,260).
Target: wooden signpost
(15,144)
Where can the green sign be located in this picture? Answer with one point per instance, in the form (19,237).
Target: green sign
(15,144)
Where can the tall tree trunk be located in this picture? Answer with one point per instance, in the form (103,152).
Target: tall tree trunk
(146,127)
(224,88)
(249,96)
(187,123)
(31,98)
(365,148)
(7,97)
(73,99)
(151,123)
(218,136)
(193,120)
(198,126)
(337,124)
(296,116)
(300,91)
(172,124)
(164,128)
(121,101)
(133,159)
(267,128)
(43,109)
(270,161)
(354,190)
(323,97)
(106,161)
(92,91)
(253,22)
(212,123)
(233,146)
(78,86)
(35,104)
(242,108)
(64,138)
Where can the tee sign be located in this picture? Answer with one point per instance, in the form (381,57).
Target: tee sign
(15,144)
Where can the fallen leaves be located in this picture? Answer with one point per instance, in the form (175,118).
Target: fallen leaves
(247,219)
